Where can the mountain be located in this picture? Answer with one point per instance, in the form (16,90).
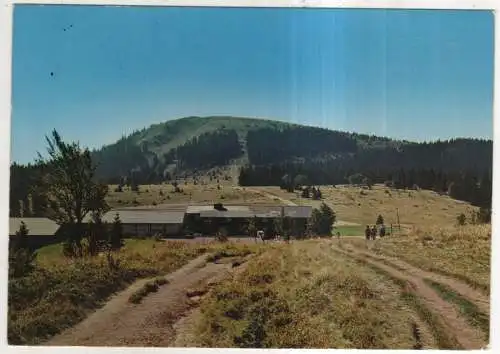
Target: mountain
(198,143)
(268,152)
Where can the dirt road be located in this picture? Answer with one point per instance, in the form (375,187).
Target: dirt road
(151,322)
(456,326)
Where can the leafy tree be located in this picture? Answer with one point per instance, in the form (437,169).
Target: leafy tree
(356,179)
(21,256)
(380,220)
(300,180)
(72,192)
(316,194)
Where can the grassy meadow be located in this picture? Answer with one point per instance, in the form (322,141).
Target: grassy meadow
(155,194)
(463,252)
(362,206)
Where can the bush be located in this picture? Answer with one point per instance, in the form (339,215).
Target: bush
(461,219)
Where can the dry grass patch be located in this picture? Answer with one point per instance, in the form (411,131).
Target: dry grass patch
(157,194)
(461,252)
(304,295)
(150,287)
(78,287)
(415,207)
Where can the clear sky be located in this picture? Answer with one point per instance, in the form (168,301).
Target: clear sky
(96,73)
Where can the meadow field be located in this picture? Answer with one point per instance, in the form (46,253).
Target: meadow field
(426,287)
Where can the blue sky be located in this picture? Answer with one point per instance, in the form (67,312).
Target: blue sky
(96,73)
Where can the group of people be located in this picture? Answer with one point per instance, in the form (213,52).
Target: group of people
(371,232)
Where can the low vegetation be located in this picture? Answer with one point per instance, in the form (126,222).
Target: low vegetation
(304,296)
(416,208)
(81,285)
(469,310)
(149,287)
(463,252)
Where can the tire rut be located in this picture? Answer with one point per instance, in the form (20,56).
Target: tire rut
(476,297)
(149,323)
(466,336)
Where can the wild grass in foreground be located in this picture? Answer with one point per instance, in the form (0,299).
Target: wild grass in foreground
(80,286)
(439,331)
(149,287)
(462,252)
(303,295)
(470,311)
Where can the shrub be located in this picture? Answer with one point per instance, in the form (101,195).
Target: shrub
(461,219)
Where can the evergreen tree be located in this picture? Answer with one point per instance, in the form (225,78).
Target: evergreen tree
(380,220)
(21,256)
(116,236)
(322,220)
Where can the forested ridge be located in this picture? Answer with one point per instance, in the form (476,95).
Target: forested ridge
(268,151)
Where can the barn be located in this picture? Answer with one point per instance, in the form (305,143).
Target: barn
(41,231)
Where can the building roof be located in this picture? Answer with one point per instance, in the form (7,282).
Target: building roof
(198,209)
(232,214)
(143,216)
(299,211)
(36,226)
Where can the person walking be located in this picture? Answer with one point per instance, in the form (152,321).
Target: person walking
(367,232)
(374,232)
(382,230)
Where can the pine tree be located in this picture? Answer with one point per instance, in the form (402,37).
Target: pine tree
(380,220)
(116,236)
(252,227)
(21,255)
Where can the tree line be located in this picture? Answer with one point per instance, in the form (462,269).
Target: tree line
(469,185)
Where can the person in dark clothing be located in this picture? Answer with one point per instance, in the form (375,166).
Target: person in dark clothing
(374,232)
(367,232)
(382,231)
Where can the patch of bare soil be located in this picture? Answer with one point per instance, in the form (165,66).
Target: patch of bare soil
(467,336)
(150,323)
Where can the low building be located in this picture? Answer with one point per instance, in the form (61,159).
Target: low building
(148,222)
(233,219)
(41,231)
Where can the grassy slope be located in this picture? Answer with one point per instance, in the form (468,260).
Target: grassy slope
(303,295)
(462,252)
(209,193)
(79,287)
(168,135)
(361,206)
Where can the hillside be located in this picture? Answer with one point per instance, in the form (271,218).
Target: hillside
(261,152)
(205,142)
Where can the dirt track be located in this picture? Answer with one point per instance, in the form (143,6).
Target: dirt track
(466,336)
(151,322)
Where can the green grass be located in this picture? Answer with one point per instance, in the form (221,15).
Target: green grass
(469,310)
(349,230)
